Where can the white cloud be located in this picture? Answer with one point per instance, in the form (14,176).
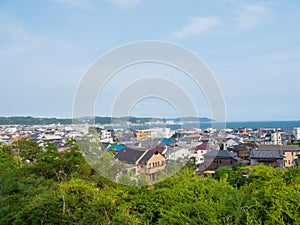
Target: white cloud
(124,3)
(84,4)
(20,46)
(250,16)
(14,32)
(197,26)
(16,35)
(88,4)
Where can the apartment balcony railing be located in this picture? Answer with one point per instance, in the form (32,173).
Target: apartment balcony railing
(151,170)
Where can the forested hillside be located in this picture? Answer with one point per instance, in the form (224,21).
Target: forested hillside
(28,120)
(61,188)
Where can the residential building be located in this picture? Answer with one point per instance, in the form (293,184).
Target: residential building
(105,134)
(148,162)
(276,138)
(129,155)
(143,134)
(216,159)
(272,158)
(242,151)
(290,152)
(232,141)
(241,131)
(178,153)
(202,149)
(151,163)
(161,132)
(297,133)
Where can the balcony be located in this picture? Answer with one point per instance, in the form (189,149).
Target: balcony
(151,170)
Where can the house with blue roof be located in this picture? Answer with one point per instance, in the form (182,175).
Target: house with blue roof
(166,141)
(117,148)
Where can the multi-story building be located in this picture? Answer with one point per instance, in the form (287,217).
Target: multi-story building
(297,133)
(143,134)
(104,134)
(159,132)
(273,138)
(276,138)
(148,162)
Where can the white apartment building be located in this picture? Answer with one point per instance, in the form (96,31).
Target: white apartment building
(158,132)
(297,133)
(276,138)
(105,134)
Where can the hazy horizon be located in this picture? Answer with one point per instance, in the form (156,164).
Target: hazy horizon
(227,121)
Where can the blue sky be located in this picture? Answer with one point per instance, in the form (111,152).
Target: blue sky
(252,47)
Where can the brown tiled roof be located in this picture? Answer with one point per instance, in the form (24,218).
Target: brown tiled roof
(158,149)
(193,136)
(18,138)
(206,146)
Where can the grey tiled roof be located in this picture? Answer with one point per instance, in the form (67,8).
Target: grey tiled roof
(279,147)
(129,155)
(266,154)
(221,154)
(241,147)
(147,156)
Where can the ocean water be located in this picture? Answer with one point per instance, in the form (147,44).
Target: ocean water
(285,125)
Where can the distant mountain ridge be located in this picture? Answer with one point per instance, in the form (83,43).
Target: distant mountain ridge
(29,120)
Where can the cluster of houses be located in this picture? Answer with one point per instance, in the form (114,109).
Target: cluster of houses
(210,149)
(42,134)
(149,151)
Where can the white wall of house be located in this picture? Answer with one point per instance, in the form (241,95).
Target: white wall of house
(107,140)
(198,154)
(178,153)
(232,142)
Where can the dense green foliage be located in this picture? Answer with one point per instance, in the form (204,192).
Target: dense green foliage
(28,120)
(61,188)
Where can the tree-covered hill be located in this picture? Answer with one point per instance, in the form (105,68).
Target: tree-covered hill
(29,120)
(61,188)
